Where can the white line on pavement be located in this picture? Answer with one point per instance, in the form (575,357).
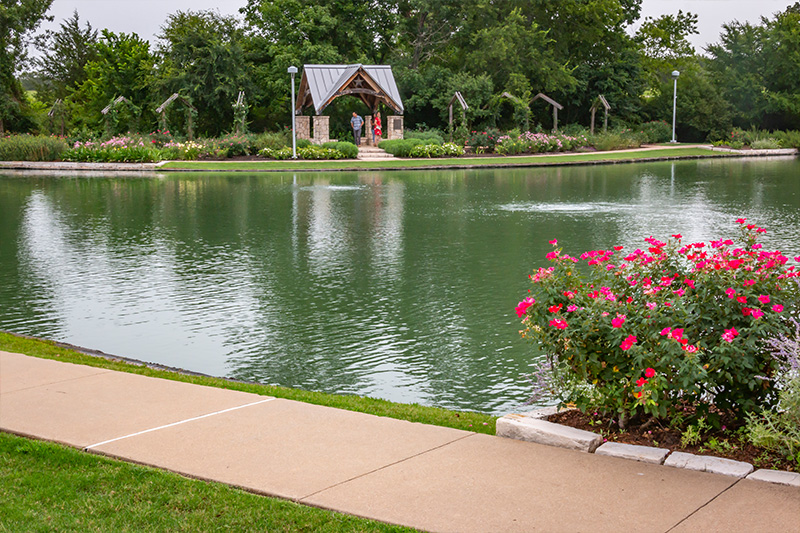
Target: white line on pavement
(178,423)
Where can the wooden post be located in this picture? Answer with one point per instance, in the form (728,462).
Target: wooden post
(591,128)
(555,119)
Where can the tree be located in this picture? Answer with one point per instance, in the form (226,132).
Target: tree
(665,46)
(17,19)
(124,66)
(781,60)
(515,45)
(203,60)
(738,71)
(425,30)
(65,53)
(703,114)
(591,39)
(354,30)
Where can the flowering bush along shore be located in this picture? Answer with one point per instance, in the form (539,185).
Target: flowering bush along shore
(649,332)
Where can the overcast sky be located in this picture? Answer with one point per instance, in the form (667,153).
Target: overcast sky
(145,17)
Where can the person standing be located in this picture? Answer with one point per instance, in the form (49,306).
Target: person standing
(356,122)
(376,128)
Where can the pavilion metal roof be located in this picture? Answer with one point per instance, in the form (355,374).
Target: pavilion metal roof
(320,84)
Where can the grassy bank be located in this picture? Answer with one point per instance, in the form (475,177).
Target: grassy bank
(460,162)
(49,487)
(476,422)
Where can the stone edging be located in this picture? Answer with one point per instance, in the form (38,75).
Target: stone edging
(535,427)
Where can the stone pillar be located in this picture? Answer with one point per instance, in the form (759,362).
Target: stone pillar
(366,132)
(394,127)
(322,129)
(302,125)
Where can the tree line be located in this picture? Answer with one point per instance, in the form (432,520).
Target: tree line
(571,50)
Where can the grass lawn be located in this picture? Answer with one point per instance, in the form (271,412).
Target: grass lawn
(669,152)
(49,487)
(467,421)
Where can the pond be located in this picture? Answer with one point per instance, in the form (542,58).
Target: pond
(398,285)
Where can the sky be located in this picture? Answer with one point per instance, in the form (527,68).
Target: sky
(145,17)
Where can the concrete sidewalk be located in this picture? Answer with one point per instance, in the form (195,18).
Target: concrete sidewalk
(427,477)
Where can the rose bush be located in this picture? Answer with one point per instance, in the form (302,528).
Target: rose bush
(648,332)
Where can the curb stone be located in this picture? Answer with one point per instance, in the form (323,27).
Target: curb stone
(776,476)
(705,463)
(530,429)
(533,426)
(645,454)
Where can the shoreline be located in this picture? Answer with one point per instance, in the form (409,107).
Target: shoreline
(641,155)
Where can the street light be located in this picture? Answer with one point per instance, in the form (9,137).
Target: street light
(293,70)
(675,75)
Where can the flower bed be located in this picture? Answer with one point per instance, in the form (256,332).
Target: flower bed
(537,143)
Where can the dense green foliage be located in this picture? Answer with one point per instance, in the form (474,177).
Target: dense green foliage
(348,149)
(749,78)
(17,21)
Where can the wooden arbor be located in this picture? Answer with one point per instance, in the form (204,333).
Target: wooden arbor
(556,108)
(457,97)
(520,104)
(601,100)
(111,111)
(190,113)
(59,111)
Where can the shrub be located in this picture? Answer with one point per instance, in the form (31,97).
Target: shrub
(432,136)
(318,152)
(765,144)
(452,150)
(779,430)
(237,144)
(306,152)
(614,141)
(484,141)
(507,145)
(190,150)
(399,147)
(651,331)
(272,153)
(274,140)
(31,148)
(159,138)
(788,139)
(427,150)
(657,131)
(349,150)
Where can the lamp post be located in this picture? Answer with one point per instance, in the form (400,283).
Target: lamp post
(293,70)
(675,75)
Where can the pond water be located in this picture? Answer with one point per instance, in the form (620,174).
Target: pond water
(397,285)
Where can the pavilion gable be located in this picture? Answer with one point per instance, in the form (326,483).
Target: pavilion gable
(372,84)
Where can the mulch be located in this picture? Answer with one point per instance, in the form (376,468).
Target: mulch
(661,435)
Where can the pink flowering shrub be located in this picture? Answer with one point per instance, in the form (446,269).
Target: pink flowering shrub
(647,331)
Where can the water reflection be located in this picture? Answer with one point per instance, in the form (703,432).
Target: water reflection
(395,285)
